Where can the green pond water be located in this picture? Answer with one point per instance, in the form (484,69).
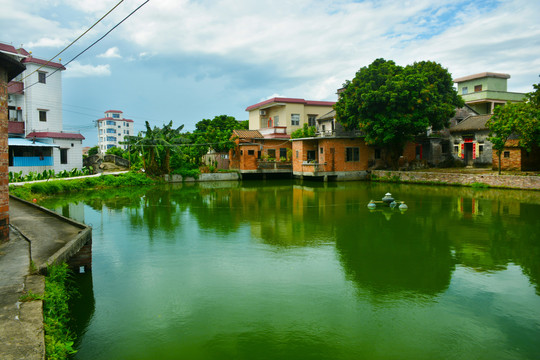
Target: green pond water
(300,270)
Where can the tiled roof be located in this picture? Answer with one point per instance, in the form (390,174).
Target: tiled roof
(114,111)
(472,123)
(248,134)
(328,116)
(113,119)
(55,135)
(34,60)
(290,101)
(8,48)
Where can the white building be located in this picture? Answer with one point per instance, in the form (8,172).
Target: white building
(112,130)
(36,140)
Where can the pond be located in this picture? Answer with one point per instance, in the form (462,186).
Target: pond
(299,270)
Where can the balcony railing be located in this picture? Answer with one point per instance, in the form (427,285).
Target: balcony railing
(273,165)
(16,127)
(280,130)
(15,87)
(335,133)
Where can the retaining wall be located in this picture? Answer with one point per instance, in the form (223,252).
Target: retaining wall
(203,177)
(507,181)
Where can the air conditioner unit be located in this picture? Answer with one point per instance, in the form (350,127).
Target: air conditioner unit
(262,112)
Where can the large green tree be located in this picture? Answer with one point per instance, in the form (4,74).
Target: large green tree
(213,134)
(391,104)
(519,119)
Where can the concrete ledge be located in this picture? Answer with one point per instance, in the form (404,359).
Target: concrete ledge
(503,181)
(230,176)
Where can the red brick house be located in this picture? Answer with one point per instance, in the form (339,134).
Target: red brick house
(9,68)
(257,154)
(515,157)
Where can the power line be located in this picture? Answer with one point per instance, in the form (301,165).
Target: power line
(94,43)
(74,41)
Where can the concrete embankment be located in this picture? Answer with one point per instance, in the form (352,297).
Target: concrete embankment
(502,181)
(39,237)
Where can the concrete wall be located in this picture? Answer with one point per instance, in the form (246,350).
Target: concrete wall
(509,181)
(4,159)
(204,177)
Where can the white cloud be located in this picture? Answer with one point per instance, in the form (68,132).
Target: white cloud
(78,70)
(47,42)
(310,39)
(110,53)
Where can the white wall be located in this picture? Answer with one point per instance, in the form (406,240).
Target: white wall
(74,154)
(46,96)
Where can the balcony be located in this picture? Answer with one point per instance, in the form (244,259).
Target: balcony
(15,127)
(273,165)
(16,87)
(274,132)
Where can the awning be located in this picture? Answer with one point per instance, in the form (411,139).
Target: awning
(26,142)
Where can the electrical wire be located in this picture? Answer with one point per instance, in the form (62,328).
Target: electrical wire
(74,41)
(94,43)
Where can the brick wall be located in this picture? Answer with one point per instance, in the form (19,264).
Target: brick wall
(4,160)
(517,182)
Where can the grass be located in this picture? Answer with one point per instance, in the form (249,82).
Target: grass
(40,190)
(58,338)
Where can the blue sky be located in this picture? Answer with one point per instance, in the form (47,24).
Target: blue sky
(186,60)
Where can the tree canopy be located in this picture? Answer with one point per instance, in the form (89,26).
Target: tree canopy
(519,119)
(392,104)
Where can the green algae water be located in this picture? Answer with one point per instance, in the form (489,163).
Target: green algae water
(300,270)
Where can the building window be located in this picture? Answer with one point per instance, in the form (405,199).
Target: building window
(377,154)
(297,154)
(464,90)
(63,156)
(111,131)
(456,148)
(444,148)
(110,122)
(251,152)
(295,119)
(311,155)
(242,152)
(352,154)
(116,116)
(480,148)
(272,153)
(321,150)
(42,77)
(477,88)
(111,138)
(282,153)
(311,120)
(507,154)
(42,115)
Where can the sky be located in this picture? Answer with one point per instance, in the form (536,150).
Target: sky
(188,60)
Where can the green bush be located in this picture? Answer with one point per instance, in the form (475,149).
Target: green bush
(58,338)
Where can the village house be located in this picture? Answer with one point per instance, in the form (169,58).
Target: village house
(338,154)
(468,133)
(37,140)
(112,130)
(258,155)
(277,117)
(483,91)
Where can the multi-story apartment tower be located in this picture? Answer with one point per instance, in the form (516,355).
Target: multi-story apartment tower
(37,140)
(113,129)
